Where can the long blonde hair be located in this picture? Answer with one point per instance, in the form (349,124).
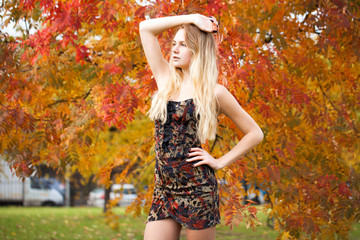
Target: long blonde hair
(203,73)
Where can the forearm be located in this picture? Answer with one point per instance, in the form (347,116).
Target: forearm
(248,142)
(157,25)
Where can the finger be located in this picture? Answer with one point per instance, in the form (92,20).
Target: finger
(200,163)
(197,153)
(213,19)
(213,23)
(214,28)
(194,159)
(196,149)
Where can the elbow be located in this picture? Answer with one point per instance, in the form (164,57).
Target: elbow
(143,26)
(261,136)
(258,136)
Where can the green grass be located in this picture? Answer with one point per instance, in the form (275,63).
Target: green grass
(29,223)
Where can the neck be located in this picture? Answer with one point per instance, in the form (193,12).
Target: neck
(186,75)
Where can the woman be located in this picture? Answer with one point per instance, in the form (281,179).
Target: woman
(185,111)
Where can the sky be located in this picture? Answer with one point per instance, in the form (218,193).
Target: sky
(11,28)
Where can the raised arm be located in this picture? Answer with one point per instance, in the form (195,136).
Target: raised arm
(149,29)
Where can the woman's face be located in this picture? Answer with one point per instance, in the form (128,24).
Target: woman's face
(181,54)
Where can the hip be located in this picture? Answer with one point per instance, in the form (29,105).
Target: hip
(177,172)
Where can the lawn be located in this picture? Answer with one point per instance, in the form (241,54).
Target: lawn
(29,223)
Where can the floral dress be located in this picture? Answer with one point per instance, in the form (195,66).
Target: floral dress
(185,193)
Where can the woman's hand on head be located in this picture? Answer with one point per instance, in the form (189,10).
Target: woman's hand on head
(207,24)
(199,154)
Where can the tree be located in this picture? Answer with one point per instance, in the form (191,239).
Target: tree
(294,66)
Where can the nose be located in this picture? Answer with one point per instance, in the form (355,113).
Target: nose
(175,48)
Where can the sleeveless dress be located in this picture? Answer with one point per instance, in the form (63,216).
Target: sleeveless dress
(185,193)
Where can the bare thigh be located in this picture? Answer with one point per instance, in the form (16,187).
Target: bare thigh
(204,234)
(166,229)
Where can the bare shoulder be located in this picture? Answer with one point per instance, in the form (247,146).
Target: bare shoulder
(226,100)
(220,90)
(230,107)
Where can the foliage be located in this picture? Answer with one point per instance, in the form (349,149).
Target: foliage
(293,65)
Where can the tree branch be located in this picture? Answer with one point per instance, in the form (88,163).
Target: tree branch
(336,109)
(65,100)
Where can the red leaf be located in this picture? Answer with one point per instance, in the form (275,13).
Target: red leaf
(344,190)
(82,52)
(27,5)
(113,69)
(119,105)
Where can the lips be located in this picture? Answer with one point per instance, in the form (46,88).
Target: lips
(176,58)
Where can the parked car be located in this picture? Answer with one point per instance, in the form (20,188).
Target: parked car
(54,184)
(128,192)
(31,192)
(257,195)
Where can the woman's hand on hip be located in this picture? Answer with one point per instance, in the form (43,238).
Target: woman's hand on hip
(199,154)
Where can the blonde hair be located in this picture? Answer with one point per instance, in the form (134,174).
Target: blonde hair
(203,73)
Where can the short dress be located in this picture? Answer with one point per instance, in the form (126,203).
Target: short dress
(185,193)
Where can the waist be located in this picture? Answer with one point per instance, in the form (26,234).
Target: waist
(174,151)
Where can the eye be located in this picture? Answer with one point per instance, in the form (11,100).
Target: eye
(183,44)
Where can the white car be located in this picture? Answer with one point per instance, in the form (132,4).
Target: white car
(97,196)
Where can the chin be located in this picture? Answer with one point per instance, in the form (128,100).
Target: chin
(178,66)
(182,66)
